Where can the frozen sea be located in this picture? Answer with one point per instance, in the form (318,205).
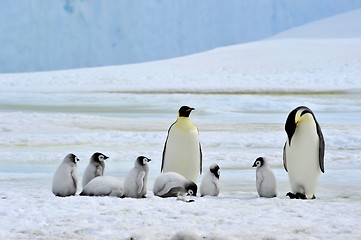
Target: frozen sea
(241,97)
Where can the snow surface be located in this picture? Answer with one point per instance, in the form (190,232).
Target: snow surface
(72,34)
(242,95)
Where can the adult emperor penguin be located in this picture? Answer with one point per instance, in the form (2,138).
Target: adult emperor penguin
(172,184)
(135,184)
(95,167)
(182,150)
(265,179)
(210,182)
(103,186)
(303,152)
(65,179)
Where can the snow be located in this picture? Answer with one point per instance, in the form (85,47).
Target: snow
(242,95)
(75,34)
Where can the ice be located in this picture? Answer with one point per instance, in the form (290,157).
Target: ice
(242,95)
(76,34)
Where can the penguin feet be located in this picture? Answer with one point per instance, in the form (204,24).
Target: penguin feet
(298,196)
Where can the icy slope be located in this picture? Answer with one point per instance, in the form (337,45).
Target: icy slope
(48,35)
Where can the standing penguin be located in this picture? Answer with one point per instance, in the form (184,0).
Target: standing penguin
(182,151)
(135,183)
(210,182)
(265,179)
(95,167)
(65,180)
(303,152)
(172,184)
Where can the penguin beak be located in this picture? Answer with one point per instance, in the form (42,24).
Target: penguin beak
(149,159)
(105,157)
(254,165)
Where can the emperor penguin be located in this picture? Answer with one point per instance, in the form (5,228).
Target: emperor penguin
(95,167)
(103,186)
(182,151)
(135,184)
(210,182)
(303,152)
(65,179)
(172,184)
(265,179)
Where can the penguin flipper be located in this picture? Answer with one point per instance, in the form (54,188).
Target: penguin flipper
(259,180)
(321,147)
(99,171)
(201,157)
(167,188)
(284,157)
(140,181)
(74,178)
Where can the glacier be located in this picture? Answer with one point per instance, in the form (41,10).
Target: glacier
(41,35)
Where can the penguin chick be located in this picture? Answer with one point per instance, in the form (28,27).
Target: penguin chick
(210,182)
(135,184)
(65,179)
(95,167)
(172,184)
(103,186)
(265,179)
(182,151)
(303,152)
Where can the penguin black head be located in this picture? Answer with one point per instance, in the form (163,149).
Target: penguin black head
(215,169)
(191,189)
(73,158)
(141,160)
(98,157)
(185,111)
(259,162)
(293,118)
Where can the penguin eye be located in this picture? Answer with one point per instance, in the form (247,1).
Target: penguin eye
(145,161)
(76,159)
(101,158)
(190,192)
(258,163)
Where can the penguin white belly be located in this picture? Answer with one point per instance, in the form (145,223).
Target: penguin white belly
(303,161)
(182,153)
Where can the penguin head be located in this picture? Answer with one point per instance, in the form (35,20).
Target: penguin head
(296,116)
(141,160)
(98,157)
(185,111)
(191,189)
(71,158)
(215,170)
(259,162)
